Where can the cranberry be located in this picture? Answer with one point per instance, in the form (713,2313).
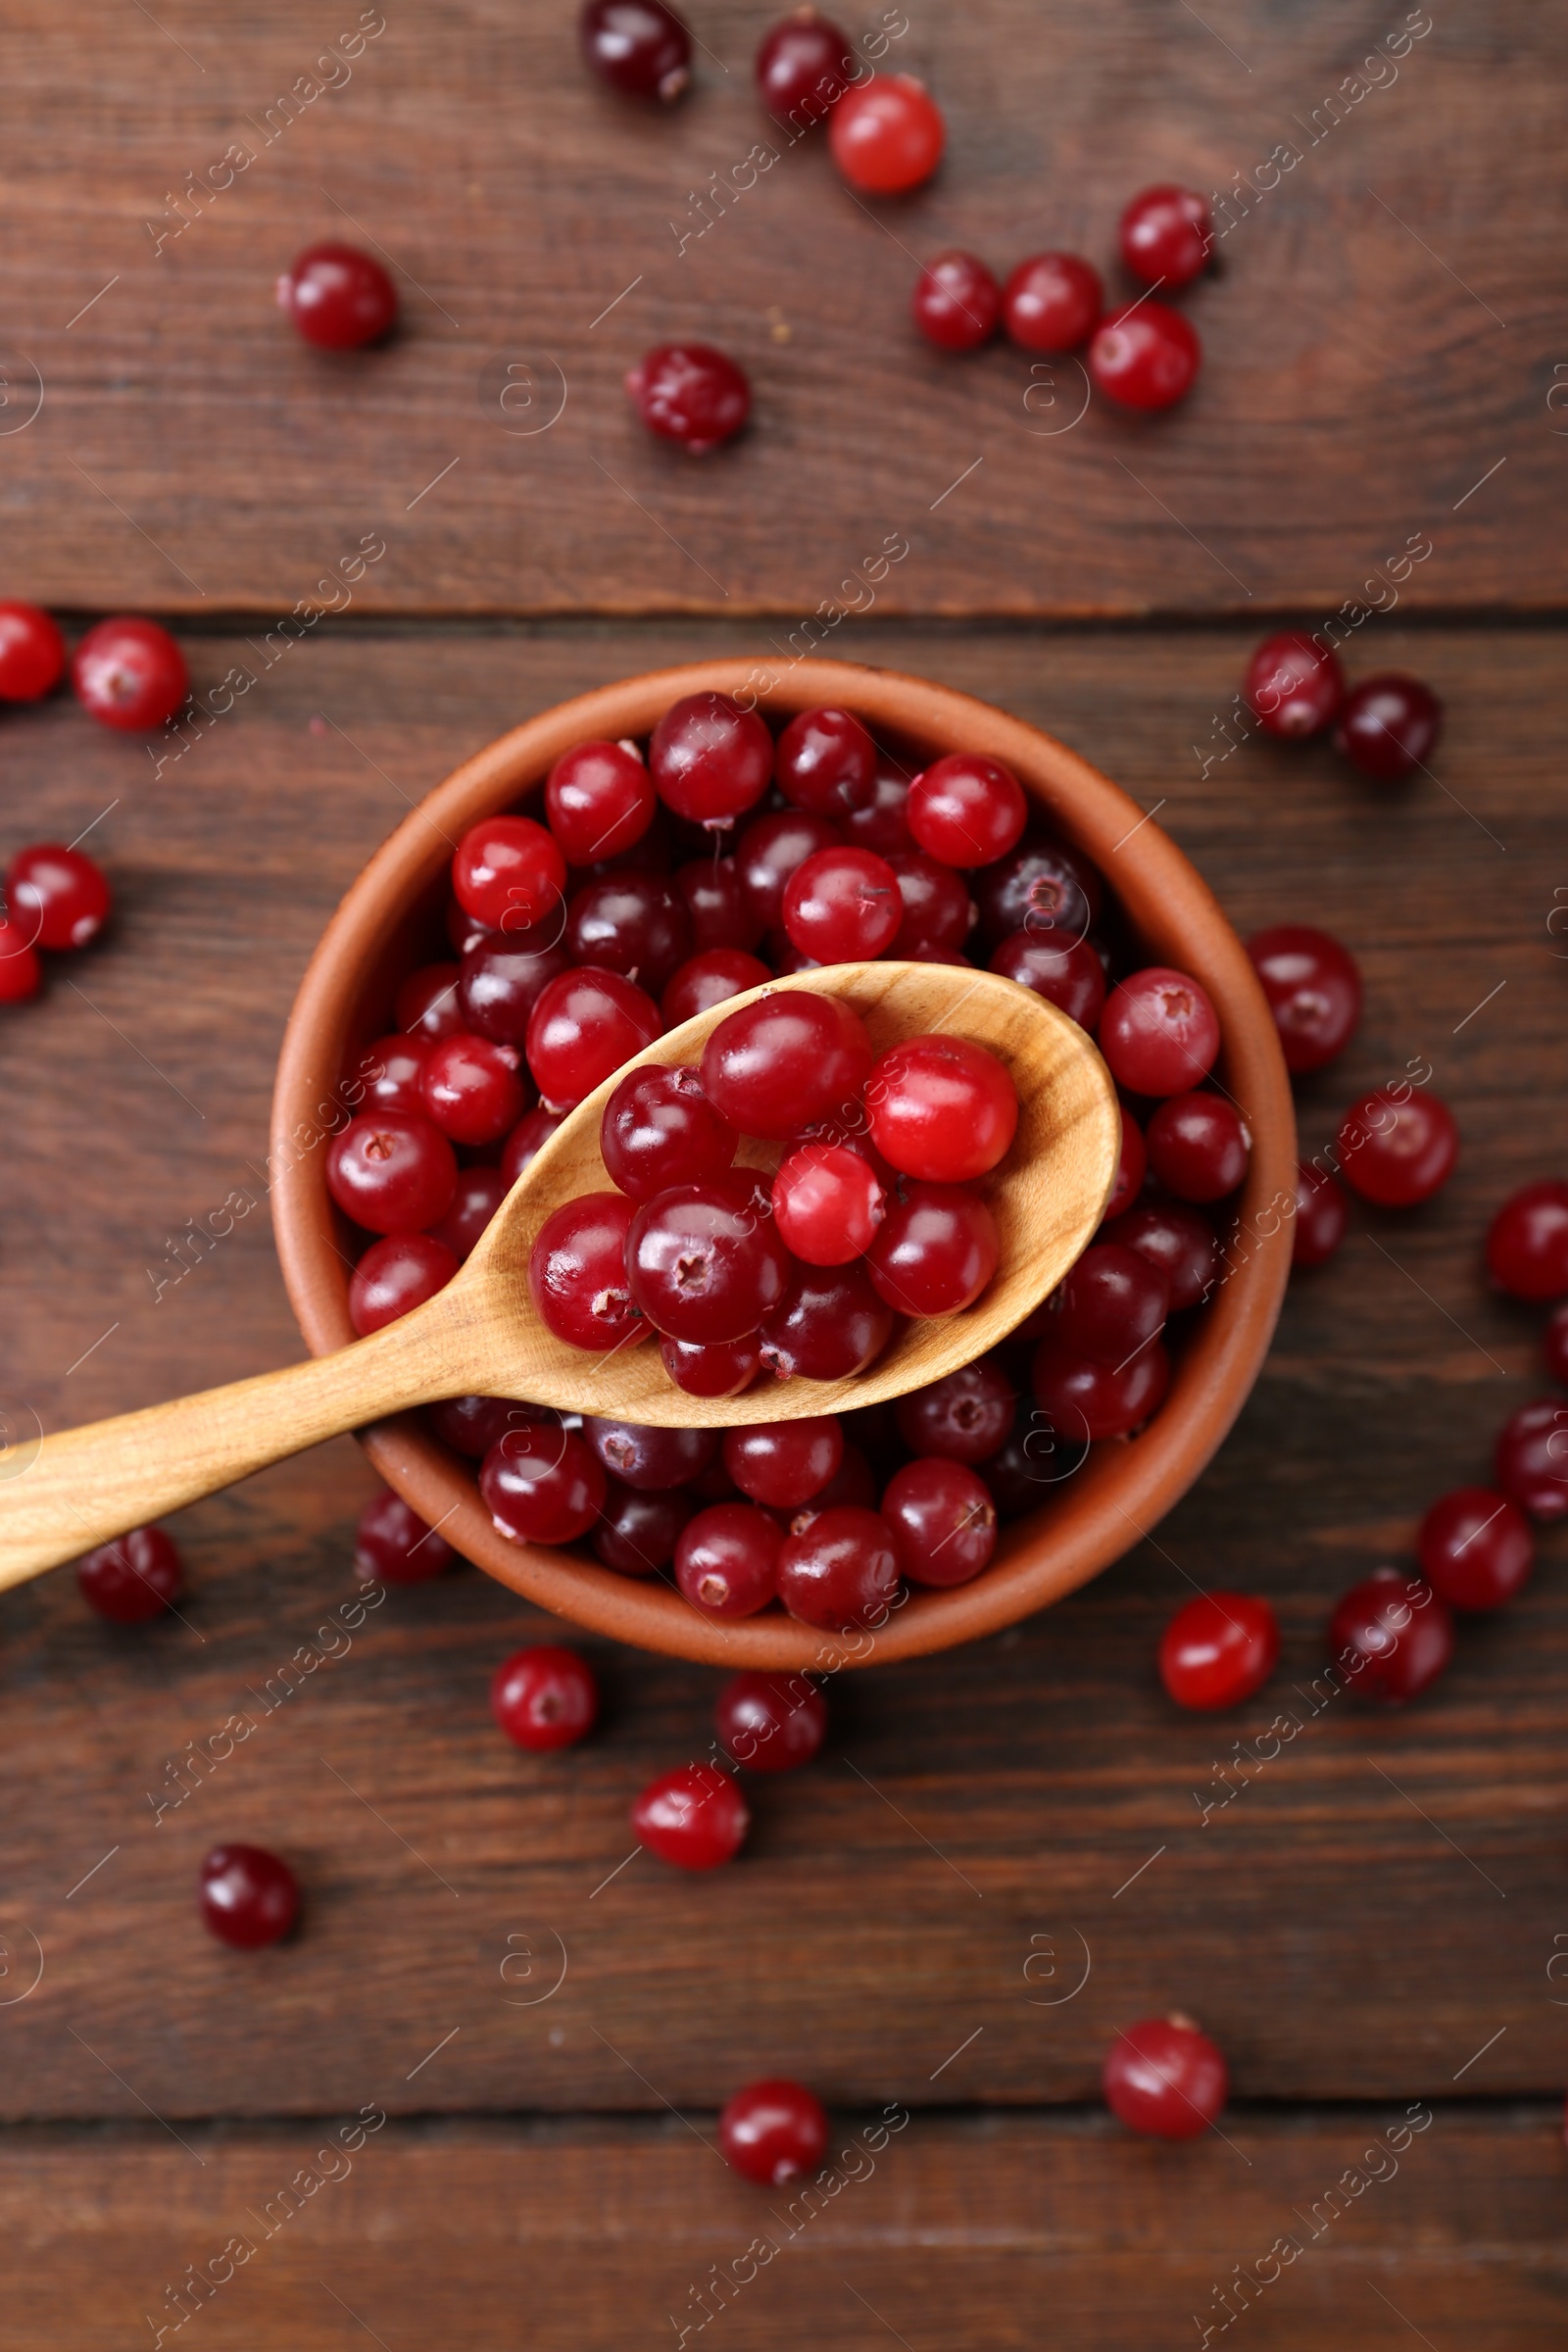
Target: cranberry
(1070,976)
(828,1203)
(726,1561)
(338,297)
(1042,888)
(721,917)
(888,135)
(1131,1165)
(695,1817)
(937,910)
(469,1087)
(1554,1345)
(1322,1212)
(20,965)
(772,851)
(526,1140)
(502,980)
(784,1463)
(1389,727)
(1113,1302)
(710,979)
(830,1325)
(854,1481)
(1219,1650)
(803,69)
(393,1544)
(693,394)
(1198,1147)
(723,1368)
(583,1026)
(427,1005)
(941,1109)
(249,1897)
(1145,358)
(785,1063)
(966,810)
(639,47)
(659,1129)
(578,1273)
(509,872)
(1176,1240)
(1053,302)
(1398,1153)
(651,1459)
(710,759)
(941,1520)
(963,1418)
(772,2133)
(134,1578)
(391,1172)
(1313,988)
(130,675)
(770,1722)
(825,764)
(1391,1635)
(471,1425)
(32,652)
(395,1275)
(544,1697)
(1164,2079)
(542,1485)
(1531,1458)
(1475,1547)
(463,934)
(1293,685)
(1031,1461)
(842,905)
(599,798)
(1165,235)
(1083,1400)
(934,1250)
(652,853)
(841,1572)
(388,1072)
(632,923)
(883,823)
(703,1261)
(957,302)
(1158,1032)
(1527,1243)
(56,895)
(636,1534)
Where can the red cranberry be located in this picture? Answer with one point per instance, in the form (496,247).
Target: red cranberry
(659,1129)
(1219,1650)
(883,823)
(651,1459)
(786,1064)
(937,910)
(1165,235)
(1475,1547)
(463,934)
(1164,2079)
(1033,1462)
(583,1026)
(957,302)
(578,1273)
(1174,1237)
(1398,1153)
(1071,976)
(479,1194)
(32,652)
(471,1088)
(471,1425)
(133,1579)
(1293,685)
(1145,358)
(726,1561)
(841,1572)
(854,1481)
(1158,1032)
(1053,302)
(782,1464)
(391,1172)
(966,810)
(1527,1243)
(842,905)
(1531,1458)
(772,2133)
(941,1109)
(1130,1165)
(693,394)
(544,1697)
(710,759)
(389,1073)
(509,872)
(338,297)
(941,1520)
(935,1252)
(427,1005)
(770,1722)
(1198,1147)
(710,979)
(249,1897)
(1042,888)
(703,1261)
(803,69)
(828,1203)
(1389,727)
(771,851)
(632,923)
(721,917)
(1313,988)
(395,1275)
(827,764)
(695,1817)
(20,965)
(888,135)
(639,47)
(1322,1213)
(1083,1400)
(1554,1345)
(57,896)
(723,1368)
(963,1418)
(130,675)
(502,980)
(1113,1302)
(394,1546)
(1391,1635)
(542,1485)
(599,798)
(830,1325)
(636,1534)
(526,1140)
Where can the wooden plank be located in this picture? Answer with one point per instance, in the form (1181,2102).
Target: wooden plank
(1381,337)
(1391,1892)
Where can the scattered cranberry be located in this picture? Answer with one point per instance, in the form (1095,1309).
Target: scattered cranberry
(395,1275)
(966,810)
(1389,727)
(1131,1165)
(584,1024)
(770,1722)
(1083,1400)
(695,1817)
(941,1109)
(710,759)
(1554,1345)
(526,1140)
(773,2132)
(1198,1147)
(32,652)
(1176,1239)
(702,1263)
(842,905)
(1526,1246)
(803,68)
(427,1003)
(1146,358)
(841,1572)
(1053,302)
(1158,1032)
(934,1250)
(391,1172)
(599,798)
(957,302)
(337,297)
(1322,1213)
(1040,887)
(941,1520)
(782,1464)
(1112,1303)
(828,1202)
(654,1459)
(542,1485)
(57,896)
(1531,1458)
(133,1579)
(509,872)
(710,979)
(1219,1650)
(479,1194)
(393,1544)
(544,1697)
(1391,1635)
(726,1562)
(690,393)
(639,47)
(786,1064)
(1166,2079)
(578,1273)
(1398,1153)
(1165,235)
(888,136)
(1475,1547)
(130,675)
(1313,988)
(20,965)
(1293,685)
(636,1532)
(723,1368)
(1069,975)
(248,1896)
(659,1129)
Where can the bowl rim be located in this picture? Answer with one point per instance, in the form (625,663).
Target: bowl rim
(1126,1485)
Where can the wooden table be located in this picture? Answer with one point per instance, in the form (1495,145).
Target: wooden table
(1003,1854)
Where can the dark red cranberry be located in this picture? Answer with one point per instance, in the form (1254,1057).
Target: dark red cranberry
(1313,988)
(937,910)
(389,1074)
(636,1534)
(1322,1213)
(1042,888)
(693,394)
(249,1897)
(854,1481)
(503,978)
(133,1579)
(782,1464)
(883,823)
(935,1252)
(842,905)
(1034,1460)
(963,1418)
(463,934)
(1198,1146)
(599,798)
(655,852)
(828,1202)
(1176,1239)
(544,1697)
(1527,1243)
(770,853)
(1130,1166)
(583,1026)
(1165,234)
(803,67)
(395,1275)
(723,1368)
(1554,1345)
(1219,1650)
(426,1003)
(20,965)
(471,1088)
(1475,1547)
(888,135)
(770,1722)
(1398,1153)
(542,1485)
(1531,1458)
(1113,1302)
(631,923)
(651,1459)
(32,652)
(695,1817)
(578,1273)
(394,1546)
(786,1064)
(941,1109)
(726,1561)
(716,906)
(526,1140)
(957,302)
(1391,1635)
(471,1425)
(710,979)
(1293,685)
(129,674)
(1164,2079)
(479,1194)
(1389,727)
(508,874)
(1145,358)
(830,1325)
(56,895)
(659,1129)
(639,47)
(1158,1032)
(1083,1400)
(1070,976)
(825,764)
(710,759)
(941,1520)
(966,810)
(338,297)
(772,2133)
(841,1572)
(703,1261)
(391,1172)
(1053,302)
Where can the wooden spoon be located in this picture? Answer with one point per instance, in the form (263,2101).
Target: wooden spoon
(480,1336)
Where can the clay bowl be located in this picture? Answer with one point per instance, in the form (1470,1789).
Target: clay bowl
(392,920)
